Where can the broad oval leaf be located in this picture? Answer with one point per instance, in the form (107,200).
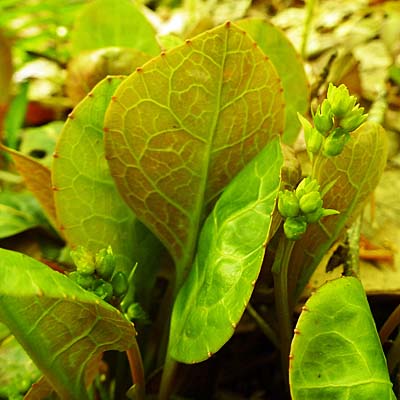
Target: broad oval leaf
(90,211)
(60,325)
(178,129)
(290,67)
(336,352)
(37,178)
(228,260)
(355,173)
(105,23)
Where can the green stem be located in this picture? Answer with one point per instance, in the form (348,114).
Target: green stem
(168,378)
(137,371)
(266,329)
(282,302)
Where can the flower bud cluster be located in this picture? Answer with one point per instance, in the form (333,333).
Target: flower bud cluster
(97,274)
(301,207)
(334,120)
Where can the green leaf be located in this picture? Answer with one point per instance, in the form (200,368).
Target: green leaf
(178,130)
(105,23)
(275,44)
(351,177)
(336,352)
(18,213)
(37,178)
(229,257)
(89,209)
(17,371)
(61,326)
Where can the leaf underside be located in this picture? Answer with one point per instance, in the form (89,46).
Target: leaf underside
(182,126)
(336,352)
(60,325)
(228,260)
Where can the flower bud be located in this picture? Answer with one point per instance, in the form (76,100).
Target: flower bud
(340,100)
(295,227)
(307,185)
(323,121)
(354,119)
(119,283)
(314,216)
(135,311)
(310,202)
(105,263)
(314,141)
(288,204)
(104,290)
(85,281)
(335,142)
(83,260)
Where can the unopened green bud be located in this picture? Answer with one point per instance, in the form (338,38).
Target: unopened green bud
(135,311)
(314,216)
(85,281)
(105,263)
(83,260)
(288,204)
(104,290)
(295,227)
(119,283)
(354,119)
(314,141)
(323,121)
(335,142)
(307,185)
(340,100)
(310,202)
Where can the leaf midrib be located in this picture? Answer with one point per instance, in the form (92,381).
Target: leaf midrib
(198,214)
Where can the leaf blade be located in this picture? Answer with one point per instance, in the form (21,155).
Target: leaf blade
(336,352)
(229,257)
(42,306)
(178,130)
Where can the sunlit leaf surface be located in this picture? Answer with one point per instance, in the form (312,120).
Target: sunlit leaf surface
(228,260)
(356,172)
(336,352)
(60,325)
(182,126)
(290,67)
